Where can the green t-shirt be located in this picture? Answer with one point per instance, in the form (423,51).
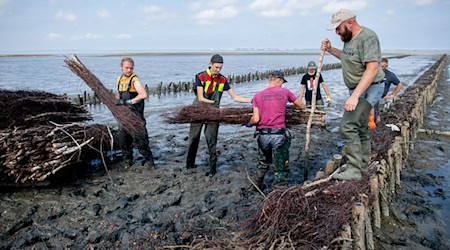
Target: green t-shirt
(363,48)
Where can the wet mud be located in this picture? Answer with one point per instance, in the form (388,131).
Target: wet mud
(152,208)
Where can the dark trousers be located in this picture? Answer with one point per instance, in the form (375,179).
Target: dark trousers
(211,132)
(141,142)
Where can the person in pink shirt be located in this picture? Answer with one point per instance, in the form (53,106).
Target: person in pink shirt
(274,140)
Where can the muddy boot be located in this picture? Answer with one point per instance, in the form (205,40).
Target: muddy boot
(212,170)
(258,179)
(365,156)
(279,185)
(351,174)
(150,164)
(128,163)
(353,171)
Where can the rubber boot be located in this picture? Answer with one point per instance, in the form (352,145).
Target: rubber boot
(353,171)
(128,163)
(365,156)
(149,163)
(279,184)
(127,158)
(212,169)
(351,174)
(194,140)
(259,178)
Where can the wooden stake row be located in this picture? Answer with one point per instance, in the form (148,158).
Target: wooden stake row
(385,173)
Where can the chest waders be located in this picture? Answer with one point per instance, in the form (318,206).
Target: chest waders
(140,140)
(211,129)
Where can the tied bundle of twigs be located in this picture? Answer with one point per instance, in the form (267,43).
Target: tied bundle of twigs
(131,122)
(33,154)
(41,133)
(209,114)
(302,217)
(32,108)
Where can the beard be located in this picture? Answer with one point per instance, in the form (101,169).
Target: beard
(346,36)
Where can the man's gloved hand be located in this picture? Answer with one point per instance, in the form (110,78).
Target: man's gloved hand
(329,99)
(248,125)
(123,102)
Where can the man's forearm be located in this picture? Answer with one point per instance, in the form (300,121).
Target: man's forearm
(335,52)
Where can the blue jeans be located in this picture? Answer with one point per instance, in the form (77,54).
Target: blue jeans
(372,94)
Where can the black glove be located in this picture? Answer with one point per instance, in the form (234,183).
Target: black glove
(123,102)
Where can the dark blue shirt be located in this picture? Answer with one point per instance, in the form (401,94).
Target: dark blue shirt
(389,78)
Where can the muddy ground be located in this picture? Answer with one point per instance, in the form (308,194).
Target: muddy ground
(172,206)
(166,206)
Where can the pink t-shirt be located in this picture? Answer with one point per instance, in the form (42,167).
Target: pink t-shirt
(271,104)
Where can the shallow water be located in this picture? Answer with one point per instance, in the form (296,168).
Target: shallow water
(434,152)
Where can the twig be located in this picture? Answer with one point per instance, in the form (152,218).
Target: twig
(256,186)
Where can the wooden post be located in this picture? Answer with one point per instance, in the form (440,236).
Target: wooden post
(370,245)
(382,181)
(346,235)
(319,175)
(398,153)
(391,170)
(406,138)
(330,167)
(374,190)
(358,226)
(337,158)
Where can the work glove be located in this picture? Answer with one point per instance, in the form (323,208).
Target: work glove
(123,102)
(329,99)
(248,125)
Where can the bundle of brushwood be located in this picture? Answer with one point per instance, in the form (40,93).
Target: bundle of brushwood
(302,217)
(131,122)
(42,133)
(209,114)
(31,108)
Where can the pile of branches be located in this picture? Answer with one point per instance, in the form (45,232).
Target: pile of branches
(302,217)
(130,121)
(31,108)
(36,153)
(210,114)
(42,133)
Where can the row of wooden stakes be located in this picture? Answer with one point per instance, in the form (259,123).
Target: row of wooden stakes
(173,87)
(385,176)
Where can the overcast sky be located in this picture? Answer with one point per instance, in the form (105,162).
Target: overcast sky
(36,26)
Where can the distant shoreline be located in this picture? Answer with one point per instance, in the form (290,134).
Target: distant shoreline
(224,52)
